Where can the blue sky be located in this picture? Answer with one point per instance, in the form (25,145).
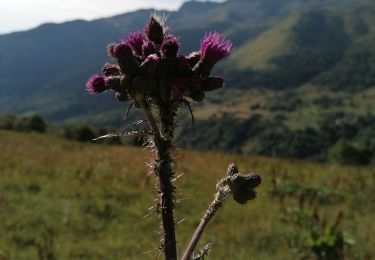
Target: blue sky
(16,15)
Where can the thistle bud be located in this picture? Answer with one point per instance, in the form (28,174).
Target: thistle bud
(170,47)
(242,186)
(136,40)
(155,31)
(212,83)
(111,70)
(97,84)
(123,53)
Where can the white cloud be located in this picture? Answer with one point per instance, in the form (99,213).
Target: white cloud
(24,14)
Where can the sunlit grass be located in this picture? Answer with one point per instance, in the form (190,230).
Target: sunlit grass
(94,198)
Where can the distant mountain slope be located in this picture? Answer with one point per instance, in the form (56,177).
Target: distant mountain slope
(320,46)
(279,45)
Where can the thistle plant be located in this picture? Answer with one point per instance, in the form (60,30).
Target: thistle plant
(154,78)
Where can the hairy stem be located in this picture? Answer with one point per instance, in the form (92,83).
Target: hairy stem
(220,196)
(163,138)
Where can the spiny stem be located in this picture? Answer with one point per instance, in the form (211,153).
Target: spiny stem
(163,170)
(151,119)
(220,196)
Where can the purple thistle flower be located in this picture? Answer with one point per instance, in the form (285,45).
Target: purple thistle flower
(170,47)
(214,47)
(121,50)
(97,84)
(111,70)
(148,48)
(136,40)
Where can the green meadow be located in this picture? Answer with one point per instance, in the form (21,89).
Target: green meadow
(61,199)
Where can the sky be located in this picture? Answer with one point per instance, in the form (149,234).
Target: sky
(16,15)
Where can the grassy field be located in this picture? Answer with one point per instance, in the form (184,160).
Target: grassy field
(85,201)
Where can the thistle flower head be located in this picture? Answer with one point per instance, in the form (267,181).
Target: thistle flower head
(214,47)
(149,65)
(170,47)
(111,70)
(97,84)
(135,40)
(121,50)
(242,186)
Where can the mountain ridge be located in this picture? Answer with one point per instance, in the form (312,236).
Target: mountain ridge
(50,64)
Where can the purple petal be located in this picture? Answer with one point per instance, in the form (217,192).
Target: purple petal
(214,47)
(97,84)
(122,50)
(170,46)
(135,40)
